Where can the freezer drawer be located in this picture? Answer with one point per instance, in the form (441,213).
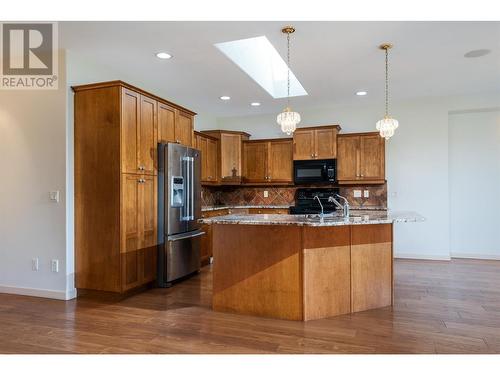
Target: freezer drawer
(179,256)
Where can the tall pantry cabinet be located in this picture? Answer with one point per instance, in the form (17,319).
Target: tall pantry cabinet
(116,136)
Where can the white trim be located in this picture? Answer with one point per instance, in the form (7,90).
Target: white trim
(476,256)
(44,293)
(422,256)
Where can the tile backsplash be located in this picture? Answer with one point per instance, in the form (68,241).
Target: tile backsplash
(284,195)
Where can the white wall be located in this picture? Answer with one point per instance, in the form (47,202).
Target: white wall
(33,162)
(416,160)
(474,139)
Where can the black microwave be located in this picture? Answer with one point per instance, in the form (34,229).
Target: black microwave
(315,171)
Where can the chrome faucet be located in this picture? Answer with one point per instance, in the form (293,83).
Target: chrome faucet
(321,205)
(344,207)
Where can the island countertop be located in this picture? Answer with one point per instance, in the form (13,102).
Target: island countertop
(358,217)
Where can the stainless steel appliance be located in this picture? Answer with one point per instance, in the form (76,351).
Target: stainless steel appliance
(179,208)
(314,201)
(315,171)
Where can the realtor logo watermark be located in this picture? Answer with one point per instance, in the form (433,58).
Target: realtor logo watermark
(29,56)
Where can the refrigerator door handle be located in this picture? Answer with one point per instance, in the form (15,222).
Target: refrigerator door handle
(189,176)
(183,236)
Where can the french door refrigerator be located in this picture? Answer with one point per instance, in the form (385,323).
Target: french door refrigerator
(179,209)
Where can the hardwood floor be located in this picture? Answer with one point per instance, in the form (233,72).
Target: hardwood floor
(440,307)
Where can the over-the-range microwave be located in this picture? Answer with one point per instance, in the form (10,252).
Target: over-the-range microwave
(315,171)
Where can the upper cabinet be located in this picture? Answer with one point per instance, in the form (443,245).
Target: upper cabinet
(318,142)
(229,164)
(175,125)
(208,150)
(361,158)
(268,161)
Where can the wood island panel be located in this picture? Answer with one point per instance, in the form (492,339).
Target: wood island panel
(257,270)
(371,266)
(327,272)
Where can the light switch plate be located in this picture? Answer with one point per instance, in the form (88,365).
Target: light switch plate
(357,193)
(54,265)
(266,194)
(54,196)
(366,193)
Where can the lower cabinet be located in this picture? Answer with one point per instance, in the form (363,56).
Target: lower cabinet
(270,211)
(206,250)
(138,230)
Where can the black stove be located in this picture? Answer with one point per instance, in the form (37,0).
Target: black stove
(306,204)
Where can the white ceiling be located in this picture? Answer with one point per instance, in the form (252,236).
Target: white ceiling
(332,60)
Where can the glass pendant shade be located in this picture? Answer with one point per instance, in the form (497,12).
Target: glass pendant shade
(288,121)
(387,126)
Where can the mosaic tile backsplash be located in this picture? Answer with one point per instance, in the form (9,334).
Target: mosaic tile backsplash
(281,195)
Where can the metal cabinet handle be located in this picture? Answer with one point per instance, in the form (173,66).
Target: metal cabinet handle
(312,155)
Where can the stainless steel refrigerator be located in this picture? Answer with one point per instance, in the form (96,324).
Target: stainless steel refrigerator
(179,209)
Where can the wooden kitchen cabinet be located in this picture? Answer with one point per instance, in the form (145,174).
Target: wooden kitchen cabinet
(117,127)
(268,161)
(184,128)
(139,135)
(175,126)
(206,250)
(270,211)
(229,158)
(319,142)
(361,158)
(208,149)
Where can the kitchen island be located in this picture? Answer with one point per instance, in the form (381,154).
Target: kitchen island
(302,267)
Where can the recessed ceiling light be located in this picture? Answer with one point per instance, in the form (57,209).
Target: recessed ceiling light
(361,93)
(255,104)
(225,97)
(477,53)
(164,55)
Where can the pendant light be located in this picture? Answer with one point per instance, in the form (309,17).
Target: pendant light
(387,125)
(288,119)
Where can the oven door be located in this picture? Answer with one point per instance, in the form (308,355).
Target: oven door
(309,171)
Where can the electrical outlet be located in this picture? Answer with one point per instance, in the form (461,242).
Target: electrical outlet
(54,196)
(266,194)
(357,193)
(34,264)
(394,194)
(366,193)
(54,265)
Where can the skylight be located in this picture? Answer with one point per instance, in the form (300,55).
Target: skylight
(259,59)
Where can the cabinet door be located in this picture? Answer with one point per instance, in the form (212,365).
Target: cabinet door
(230,145)
(130,226)
(148,211)
(147,136)
(303,145)
(184,129)
(166,123)
(348,158)
(255,161)
(281,161)
(325,141)
(202,145)
(206,244)
(211,158)
(130,108)
(372,157)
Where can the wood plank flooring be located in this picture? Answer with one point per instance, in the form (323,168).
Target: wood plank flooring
(440,307)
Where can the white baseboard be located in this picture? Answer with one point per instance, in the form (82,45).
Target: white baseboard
(476,256)
(34,292)
(422,256)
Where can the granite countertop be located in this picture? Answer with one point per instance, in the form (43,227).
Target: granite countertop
(356,218)
(223,207)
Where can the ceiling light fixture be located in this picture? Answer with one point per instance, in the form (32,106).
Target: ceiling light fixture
(225,97)
(361,93)
(477,53)
(387,125)
(255,104)
(163,55)
(288,119)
